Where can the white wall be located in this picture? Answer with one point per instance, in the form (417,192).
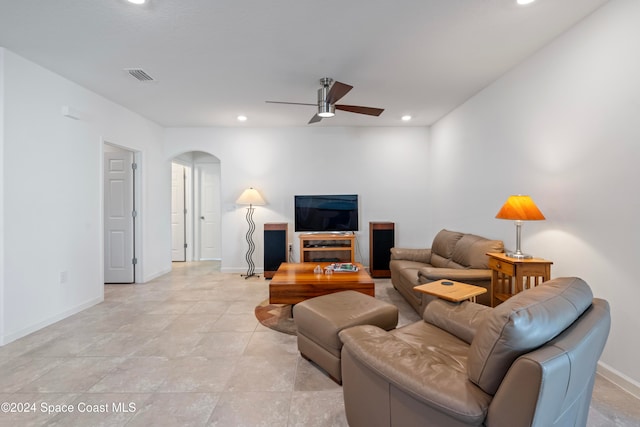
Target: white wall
(384,166)
(563,127)
(2,185)
(52,195)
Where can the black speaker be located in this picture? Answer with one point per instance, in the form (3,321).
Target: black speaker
(276,243)
(381,240)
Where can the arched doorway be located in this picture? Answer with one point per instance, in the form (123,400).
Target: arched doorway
(196,207)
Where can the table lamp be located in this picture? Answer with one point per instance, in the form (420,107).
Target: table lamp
(519,208)
(250,197)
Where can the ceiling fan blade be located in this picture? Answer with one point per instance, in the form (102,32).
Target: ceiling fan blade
(290,103)
(316,118)
(360,110)
(337,91)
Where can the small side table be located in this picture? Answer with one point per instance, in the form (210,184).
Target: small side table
(511,275)
(455,292)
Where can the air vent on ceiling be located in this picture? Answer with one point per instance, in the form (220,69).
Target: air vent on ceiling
(139,74)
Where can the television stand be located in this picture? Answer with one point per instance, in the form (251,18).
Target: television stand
(323,246)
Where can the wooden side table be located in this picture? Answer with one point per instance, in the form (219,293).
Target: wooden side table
(511,275)
(451,291)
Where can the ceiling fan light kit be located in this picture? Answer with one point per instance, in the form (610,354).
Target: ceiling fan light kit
(328,94)
(325,109)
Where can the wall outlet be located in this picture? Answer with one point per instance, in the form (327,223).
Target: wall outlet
(64,277)
(290,247)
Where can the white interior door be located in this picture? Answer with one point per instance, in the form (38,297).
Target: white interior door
(118,217)
(178,213)
(210,211)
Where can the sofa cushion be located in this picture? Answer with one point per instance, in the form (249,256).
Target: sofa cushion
(471,251)
(411,254)
(442,247)
(423,361)
(401,264)
(522,323)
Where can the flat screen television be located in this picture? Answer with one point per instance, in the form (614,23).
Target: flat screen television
(326,213)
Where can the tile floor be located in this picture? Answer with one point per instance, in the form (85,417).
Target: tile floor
(186,349)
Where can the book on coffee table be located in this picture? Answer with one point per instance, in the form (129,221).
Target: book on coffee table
(344,267)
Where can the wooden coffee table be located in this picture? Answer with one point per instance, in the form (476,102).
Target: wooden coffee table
(451,291)
(294,283)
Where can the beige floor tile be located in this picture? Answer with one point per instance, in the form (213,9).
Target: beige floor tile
(193,323)
(175,409)
(198,374)
(310,377)
(72,375)
(134,375)
(233,322)
(269,343)
(171,307)
(118,344)
(317,409)
(148,323)
(170,344)
(221,344)
(251,409)
(254,373)
(208,307)
(21,371)
(68,345)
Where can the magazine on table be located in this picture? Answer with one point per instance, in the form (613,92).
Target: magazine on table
(344,267)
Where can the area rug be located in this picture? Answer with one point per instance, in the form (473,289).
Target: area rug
(276,317)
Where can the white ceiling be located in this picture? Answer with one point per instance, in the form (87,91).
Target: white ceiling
(215,59)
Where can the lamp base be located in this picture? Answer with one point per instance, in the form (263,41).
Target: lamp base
(518,255)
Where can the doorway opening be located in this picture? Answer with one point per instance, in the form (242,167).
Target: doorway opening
(196,209)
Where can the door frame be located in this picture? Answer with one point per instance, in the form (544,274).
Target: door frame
(137,203)
(190,160)
(188,203)
(197,208)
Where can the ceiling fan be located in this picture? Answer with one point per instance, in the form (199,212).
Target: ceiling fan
(328,95)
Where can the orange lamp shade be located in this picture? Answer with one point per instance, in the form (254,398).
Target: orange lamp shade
(520,208)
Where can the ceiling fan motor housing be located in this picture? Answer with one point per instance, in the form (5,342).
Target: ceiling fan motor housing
(325,109)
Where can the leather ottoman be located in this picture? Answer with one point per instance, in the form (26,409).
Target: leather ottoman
(320,319)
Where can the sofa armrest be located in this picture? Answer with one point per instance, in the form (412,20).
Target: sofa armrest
(410,254)
(431,274)
(461,320)
(446,388)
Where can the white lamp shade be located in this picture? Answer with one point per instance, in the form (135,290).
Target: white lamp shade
(250,196)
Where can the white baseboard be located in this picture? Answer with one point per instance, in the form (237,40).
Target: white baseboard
(49,321)
(619,379)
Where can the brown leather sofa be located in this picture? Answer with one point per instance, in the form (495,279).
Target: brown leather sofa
(531,361)
(453,255)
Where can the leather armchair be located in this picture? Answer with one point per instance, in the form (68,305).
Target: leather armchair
(531,361)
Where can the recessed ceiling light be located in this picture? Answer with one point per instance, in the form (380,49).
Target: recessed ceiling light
(137,1)
(523,2)
(242,118)
(406,118)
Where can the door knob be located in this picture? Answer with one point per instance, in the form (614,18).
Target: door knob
(201,217)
